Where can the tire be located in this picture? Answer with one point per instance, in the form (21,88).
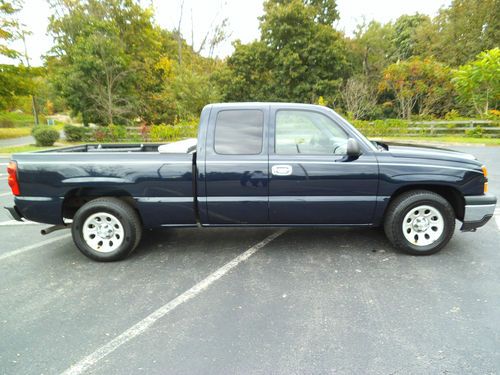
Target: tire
(419,222)
(106,229)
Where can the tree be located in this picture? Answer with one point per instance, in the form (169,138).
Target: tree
(461,31)
(9,27)
(404,36)
(358,97)
(299,56)
(248,73)
(15,82)
(478,83)
(372,49)
(103,50)
(418,85)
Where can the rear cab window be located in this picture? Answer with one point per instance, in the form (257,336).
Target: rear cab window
(239,132)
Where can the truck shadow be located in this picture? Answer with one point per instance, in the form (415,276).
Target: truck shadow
(215,240)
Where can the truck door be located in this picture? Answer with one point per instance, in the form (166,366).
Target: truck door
(312,181)
(236,166)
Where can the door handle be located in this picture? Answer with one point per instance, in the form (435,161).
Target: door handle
(281,170)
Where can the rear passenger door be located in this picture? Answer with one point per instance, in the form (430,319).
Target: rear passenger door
(236,166)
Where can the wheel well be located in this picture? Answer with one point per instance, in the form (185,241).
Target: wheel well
(452,195)
(76,198)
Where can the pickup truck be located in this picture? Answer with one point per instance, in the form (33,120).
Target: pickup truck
(253,164)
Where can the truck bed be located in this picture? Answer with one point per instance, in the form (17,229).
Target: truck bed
(187,146)
(160,185)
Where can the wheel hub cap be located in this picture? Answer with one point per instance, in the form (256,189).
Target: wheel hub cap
(423,225)
(103,232)
(420,224)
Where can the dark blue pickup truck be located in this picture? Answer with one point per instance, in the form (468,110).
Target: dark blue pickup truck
(253,164)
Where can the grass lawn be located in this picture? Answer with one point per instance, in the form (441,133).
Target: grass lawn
(18,119)
(25,148)
(18,124)
(6,133)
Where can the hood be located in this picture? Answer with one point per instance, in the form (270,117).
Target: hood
(426,152)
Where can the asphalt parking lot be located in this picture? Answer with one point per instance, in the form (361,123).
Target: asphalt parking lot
(307,301)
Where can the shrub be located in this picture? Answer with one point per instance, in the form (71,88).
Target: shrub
(380,128)
(160,133)
(100,134)
(45,135)
(75,133)
(493,115)
(452,115)
(476,132)
(117,133)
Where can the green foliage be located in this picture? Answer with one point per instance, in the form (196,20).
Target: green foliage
(170,133)
(461,31)
(298,58)
(111,64)
(121,67)
(16,119)
(103,51)
(16,81)
(164,132)
(478,83)
(45,135)
(372,49)
(9,26)
(75,133)
(421,85)
(404,37)
(475,132)
(6,133)
(379,128)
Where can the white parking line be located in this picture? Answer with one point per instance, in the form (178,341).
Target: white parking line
(32,247)
(497,217)
(15,222)
(147,322)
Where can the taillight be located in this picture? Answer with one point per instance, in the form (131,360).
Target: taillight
(12,179)
(485,173)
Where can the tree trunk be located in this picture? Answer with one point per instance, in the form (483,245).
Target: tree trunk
(35,111)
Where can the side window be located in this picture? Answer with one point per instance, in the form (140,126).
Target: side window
(308,133)
(239,132)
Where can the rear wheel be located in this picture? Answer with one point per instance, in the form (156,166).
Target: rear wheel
(419,222)
(106,229)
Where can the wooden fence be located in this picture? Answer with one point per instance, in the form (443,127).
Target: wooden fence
(466,127)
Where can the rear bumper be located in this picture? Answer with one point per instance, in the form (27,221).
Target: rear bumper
(39,209)
(479,209)
(14,213)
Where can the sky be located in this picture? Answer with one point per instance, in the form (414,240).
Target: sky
(242,15)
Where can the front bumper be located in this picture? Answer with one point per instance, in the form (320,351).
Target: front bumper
(479,209)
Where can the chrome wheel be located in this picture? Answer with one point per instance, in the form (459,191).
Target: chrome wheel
(103,232)
(423,225)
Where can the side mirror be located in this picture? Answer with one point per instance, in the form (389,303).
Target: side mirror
(353,149)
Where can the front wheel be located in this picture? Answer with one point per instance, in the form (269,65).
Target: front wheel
(106,229)
(419,222)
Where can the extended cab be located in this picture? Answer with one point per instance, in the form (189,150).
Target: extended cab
(253,164)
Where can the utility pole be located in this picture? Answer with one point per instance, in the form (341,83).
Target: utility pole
(33,99)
